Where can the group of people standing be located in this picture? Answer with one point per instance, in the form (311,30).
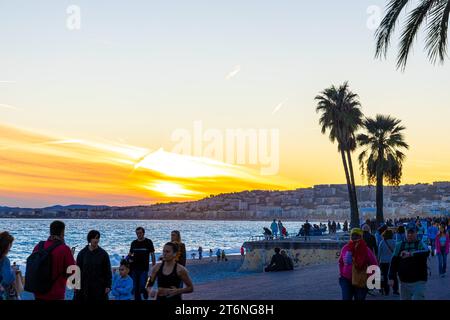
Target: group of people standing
(400,252)
(277,230)
(48,264)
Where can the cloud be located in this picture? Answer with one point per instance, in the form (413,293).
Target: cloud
(233,72)
(10,107)
(41,169)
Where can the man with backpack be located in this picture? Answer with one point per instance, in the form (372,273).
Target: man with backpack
(46,271)
(409,261)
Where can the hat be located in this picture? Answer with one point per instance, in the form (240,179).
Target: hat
(411,227)
(357,231)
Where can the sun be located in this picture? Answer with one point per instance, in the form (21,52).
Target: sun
(171,189)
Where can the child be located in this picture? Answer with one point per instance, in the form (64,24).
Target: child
(123,284)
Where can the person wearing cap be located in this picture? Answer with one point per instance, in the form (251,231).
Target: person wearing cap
(409,261)
(357,256)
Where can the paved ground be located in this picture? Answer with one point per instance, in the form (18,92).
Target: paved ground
(308,283)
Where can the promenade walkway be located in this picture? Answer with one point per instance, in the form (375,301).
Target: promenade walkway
(307,283)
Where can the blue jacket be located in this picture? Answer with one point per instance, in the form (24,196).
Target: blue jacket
(432,232)
(122,288)
(7,275)
(386,250)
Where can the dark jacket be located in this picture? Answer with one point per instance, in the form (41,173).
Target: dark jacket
(96,274)
(410,269)
(277,263)
(371,242)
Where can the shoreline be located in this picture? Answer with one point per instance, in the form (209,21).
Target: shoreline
(174,219)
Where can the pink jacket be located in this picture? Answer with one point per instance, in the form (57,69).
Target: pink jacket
(345,268)
(438,244)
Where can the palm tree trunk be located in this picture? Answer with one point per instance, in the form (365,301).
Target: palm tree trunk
(352,179)
(379,198)
(354,218)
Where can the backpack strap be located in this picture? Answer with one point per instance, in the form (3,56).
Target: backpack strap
(54,246)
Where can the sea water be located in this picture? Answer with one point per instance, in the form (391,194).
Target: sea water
(117,235)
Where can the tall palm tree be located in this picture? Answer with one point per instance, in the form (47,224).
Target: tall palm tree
(382,159)
(434,13)
(341,116)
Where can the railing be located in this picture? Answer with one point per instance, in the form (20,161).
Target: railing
(334,236)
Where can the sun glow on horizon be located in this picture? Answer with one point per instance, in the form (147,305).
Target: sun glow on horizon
(37,170)
(171,189)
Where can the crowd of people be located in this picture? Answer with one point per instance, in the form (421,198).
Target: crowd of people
(47,275)
(401,248)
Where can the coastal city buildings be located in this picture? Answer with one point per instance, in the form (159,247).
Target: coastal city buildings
(318,202)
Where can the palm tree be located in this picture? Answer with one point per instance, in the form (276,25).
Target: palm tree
(382,159)
(435,13)
(341,116)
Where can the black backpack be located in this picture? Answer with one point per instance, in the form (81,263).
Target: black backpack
(39,269)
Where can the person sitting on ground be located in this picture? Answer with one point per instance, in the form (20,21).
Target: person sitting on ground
(288,260)
(277,263)
(122,288)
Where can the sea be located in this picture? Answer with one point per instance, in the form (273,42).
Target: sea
(117,235)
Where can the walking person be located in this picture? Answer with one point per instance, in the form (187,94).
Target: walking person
(95,267)
(7,273)
(370,239)
(140,252)
(442,248)
(224,257)
(242,253)
(354,260)
(200,253)
(169,277)
(345,227)
(385,252)
(51,284)
(175,237)
(210,254)
(400,235)
(409,261)
(218,254)
(432,231)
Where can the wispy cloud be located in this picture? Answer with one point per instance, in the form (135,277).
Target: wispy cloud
(278,107)
(7,106)
(233,72)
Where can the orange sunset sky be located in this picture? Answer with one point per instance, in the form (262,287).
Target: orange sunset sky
(97,115)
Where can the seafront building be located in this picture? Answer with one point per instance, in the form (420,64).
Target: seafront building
(321,202)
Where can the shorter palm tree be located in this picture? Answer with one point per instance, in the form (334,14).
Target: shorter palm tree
(382,158)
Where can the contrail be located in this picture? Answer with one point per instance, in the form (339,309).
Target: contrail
(7,81)
(233,72)
(278,107)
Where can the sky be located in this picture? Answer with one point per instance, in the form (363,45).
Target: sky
(124,103)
